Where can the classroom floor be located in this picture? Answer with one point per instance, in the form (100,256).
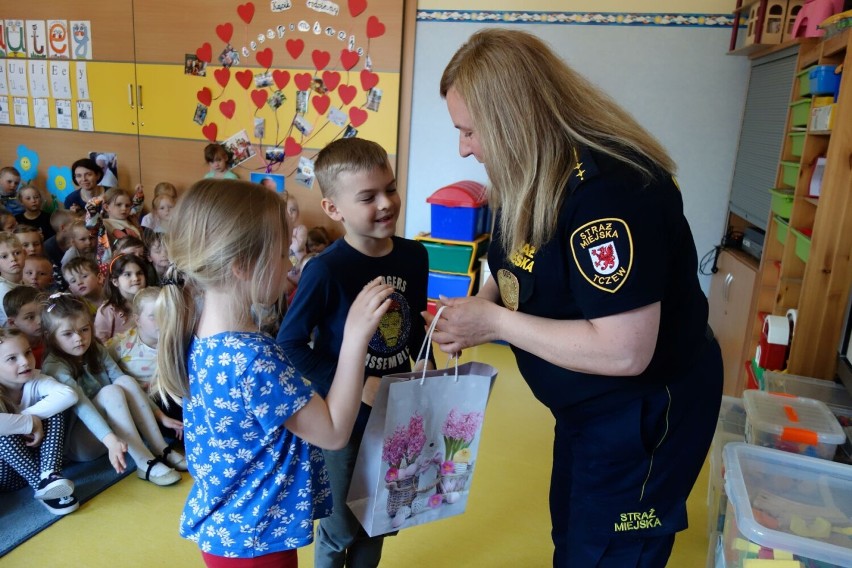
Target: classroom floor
(134,524)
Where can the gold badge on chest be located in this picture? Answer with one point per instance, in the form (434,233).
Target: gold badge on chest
(509,288)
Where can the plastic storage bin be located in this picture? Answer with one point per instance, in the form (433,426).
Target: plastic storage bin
(803,243)
(789,173)
(781,229)
(791,423)
(804,82)
(459,211)
(453,256)
(799,112)
(781,201)
(786,507)
(822,80)
(729,428)
(797,143)
(450,285)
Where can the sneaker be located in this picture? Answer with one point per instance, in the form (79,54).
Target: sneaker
(54,486)
(174,459)
(61,506)
(168,478)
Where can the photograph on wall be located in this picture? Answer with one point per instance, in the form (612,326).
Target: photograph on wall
(41,113)
(21,111)
(302,125)
(259,127)
(276,99)
(337,117)
(85,116)
(108,162)
(262,80)
(305,172)
(200,114)
(229,56)
(350,132)
(301,102)
(4,110)
(274,154)
(57,39)
(63,114)
(239,148)
(275,182)
(374,99)
(194,66)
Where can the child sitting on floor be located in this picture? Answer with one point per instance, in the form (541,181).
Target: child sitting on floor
(32,426)
(23,307)
(85,282)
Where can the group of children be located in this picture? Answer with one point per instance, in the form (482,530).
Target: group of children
(78,338)
(271,424)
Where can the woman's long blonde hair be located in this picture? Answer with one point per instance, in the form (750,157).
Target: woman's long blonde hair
(217,226)
(531,113)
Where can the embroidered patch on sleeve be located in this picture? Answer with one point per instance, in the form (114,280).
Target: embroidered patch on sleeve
(603,252)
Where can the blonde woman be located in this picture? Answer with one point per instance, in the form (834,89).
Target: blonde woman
(595,289)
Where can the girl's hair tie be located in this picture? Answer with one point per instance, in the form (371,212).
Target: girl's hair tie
(54,297)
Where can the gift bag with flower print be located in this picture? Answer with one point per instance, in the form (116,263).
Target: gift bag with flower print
(420,447)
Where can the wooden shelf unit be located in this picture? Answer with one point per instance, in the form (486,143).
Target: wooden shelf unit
(819,287)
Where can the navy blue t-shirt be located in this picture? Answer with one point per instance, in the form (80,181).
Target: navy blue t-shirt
(621,243)
(328,286)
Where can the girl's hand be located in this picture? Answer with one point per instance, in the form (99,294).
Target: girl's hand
(116,447)
(35,437)
(175,425)
(367,310)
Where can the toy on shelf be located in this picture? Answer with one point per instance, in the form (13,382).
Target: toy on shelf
(812,14)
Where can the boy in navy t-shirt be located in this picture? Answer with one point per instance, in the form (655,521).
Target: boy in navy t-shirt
(359,190)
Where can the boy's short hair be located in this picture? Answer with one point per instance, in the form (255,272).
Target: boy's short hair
(212,151)
(23,228)
(127,242)
(153,238)
(38,257)
(60,217)
(26,187)
(79,265)
(9,170)
(18,297)
(79,223)
(347,155)
(9,239)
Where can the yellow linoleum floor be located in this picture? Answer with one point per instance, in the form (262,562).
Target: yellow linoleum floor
(134,524)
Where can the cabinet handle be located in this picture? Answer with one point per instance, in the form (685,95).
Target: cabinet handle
(729,279)
(130,95)
(139,96)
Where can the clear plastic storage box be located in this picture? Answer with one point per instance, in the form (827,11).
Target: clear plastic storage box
(787,508)
(791,423)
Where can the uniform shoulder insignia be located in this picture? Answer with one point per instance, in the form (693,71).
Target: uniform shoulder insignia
(603,252)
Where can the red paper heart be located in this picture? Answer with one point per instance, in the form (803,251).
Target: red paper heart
(228,108)
(291,147)
(331,79)
(244,78)
(347,93)
(222,75)
(281,78)
(259,97)
(295,47)
(303,81)
(246,12)
(321,103)
(209,131)
(204,53)
(204,96)
(357,6)
(264,57)
(368,79)
(320,58)
(225,31)
(357,116)
(349,59)
(374,27)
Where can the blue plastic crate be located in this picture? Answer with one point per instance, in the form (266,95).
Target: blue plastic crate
(459,211)
(449,285)
(823,81)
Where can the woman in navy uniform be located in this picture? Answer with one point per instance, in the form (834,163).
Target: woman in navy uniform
(595,287)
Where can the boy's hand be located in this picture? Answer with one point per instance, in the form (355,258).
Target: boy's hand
(367,310)
(116,447)
(371,388)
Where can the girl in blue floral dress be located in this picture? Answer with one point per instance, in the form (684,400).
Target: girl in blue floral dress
(252,426)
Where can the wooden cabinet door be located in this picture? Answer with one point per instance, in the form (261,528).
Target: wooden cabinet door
(731,292)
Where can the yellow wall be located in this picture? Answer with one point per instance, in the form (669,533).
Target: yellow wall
(637,6)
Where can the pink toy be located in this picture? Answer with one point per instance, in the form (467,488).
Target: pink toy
(813,13)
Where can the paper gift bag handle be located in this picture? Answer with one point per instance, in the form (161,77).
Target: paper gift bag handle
(427,346)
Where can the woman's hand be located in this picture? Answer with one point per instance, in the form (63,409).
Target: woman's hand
(466,322)
(116,447)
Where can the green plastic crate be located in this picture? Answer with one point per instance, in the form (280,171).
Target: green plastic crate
(797,143)
(803,245)
(449,258)
(800,112)
(790,173)
(781,229)
(804,82)
(781,202)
